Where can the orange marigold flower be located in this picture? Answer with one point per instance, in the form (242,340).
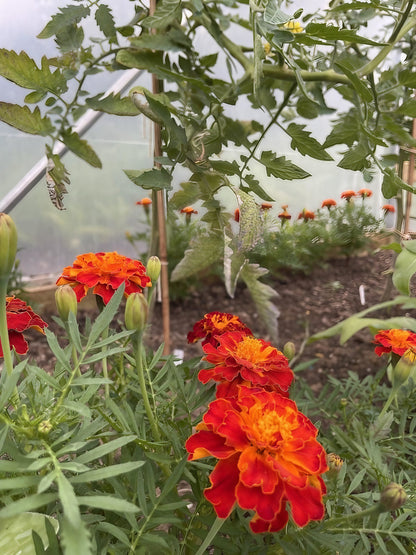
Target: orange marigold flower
(145,201)
(388,208)
(306,215)
(394,341)
(268,456)
(188,210)
(284,215)
(364,193)
(104,272)
(266,205)
(20,317)
(241,358)
(328,203)
(237,214)
(348,195)
(214,324)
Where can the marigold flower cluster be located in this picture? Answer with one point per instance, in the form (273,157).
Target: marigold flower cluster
(267,451)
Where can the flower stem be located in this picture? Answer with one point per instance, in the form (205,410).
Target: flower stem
(105,365)
(142,383)
(389,401)
(4,337)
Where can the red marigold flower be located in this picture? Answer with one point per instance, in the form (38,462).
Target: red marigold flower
(388,208)
(145,201)
(268,456)
(364,193)
(266,206)
(188,210)
(241,358)
(20,317)
(284,215)
(214,324)
(306,215)
(394,340)
(348,194)
(328,203)
(237,214)
(104,272)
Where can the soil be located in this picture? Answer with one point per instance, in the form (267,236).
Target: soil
(307,303)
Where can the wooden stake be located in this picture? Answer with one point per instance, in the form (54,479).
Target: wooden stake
(410,180)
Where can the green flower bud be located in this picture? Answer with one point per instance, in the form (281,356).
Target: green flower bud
(136,311)
(393,496)
(289,350)
(66,301)
(153,268)
(403,368)
(8,244)
(45,427)
(335,463)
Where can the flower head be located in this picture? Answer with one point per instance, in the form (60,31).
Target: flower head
(104,272)
(394,341)
(388,208)
(348,195)
(266,205)
(328,203)
(268,456)
(284,215)
(20,317)
(306,215)
(293,26)
(364,193)
(214,324)
(242,359)
(144,201)
(237,215)
(188,210)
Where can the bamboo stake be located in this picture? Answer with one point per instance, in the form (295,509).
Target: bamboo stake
(160,210)
(410,180)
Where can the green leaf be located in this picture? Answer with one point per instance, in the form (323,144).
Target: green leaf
(8,383)
(331,32)
(113,104)
(23,119)
(280,167)
(274,15)
(233,263)
(23,71)
(408,108)
(66,17)
(392,183)
(69,500)
(56,178)
(105,449)
(106,472)
(251,224)
(405,267)
(407,77)
(355,158)
(108,503)
(70,39)
(14,532)
(345,131)
(262,294)
(359,84)
(167,11)
(27,503)
(305,144)
(81,148)
(105,317)
(105,21)
(356,481)
(155,178)
(255,187)
(205,249)
(76,539)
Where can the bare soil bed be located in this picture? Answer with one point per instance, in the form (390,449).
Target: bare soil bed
(307,304)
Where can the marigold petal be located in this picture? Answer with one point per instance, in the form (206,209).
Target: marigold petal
(17,342)
(255,470)
(259,526)
(205,443)
(266,506)
(224,480)
(306,504)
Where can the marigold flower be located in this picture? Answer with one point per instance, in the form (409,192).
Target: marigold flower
(240,358)
(284,215)
(237,215)
(293,26)
(20,317)
(268,456)
(306,215)
(388,208)
(348,195)
(188,210)
(364,193)
(266,205)
(328,203)
(144,201)
(214,324)
(104,272)
(395,341)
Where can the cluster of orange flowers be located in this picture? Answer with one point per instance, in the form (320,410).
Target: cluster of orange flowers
(267,451)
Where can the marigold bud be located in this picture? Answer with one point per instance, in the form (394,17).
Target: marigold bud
(393,496)
(335,463)
(403,368)
(153,267)
(136,311)
(289,350)
(66,301)
(45,427)
(8,244)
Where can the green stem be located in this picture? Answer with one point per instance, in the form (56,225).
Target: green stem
(389,401)
(142,384)
(105,365)
(4,331)
(211,535)
(377,508)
